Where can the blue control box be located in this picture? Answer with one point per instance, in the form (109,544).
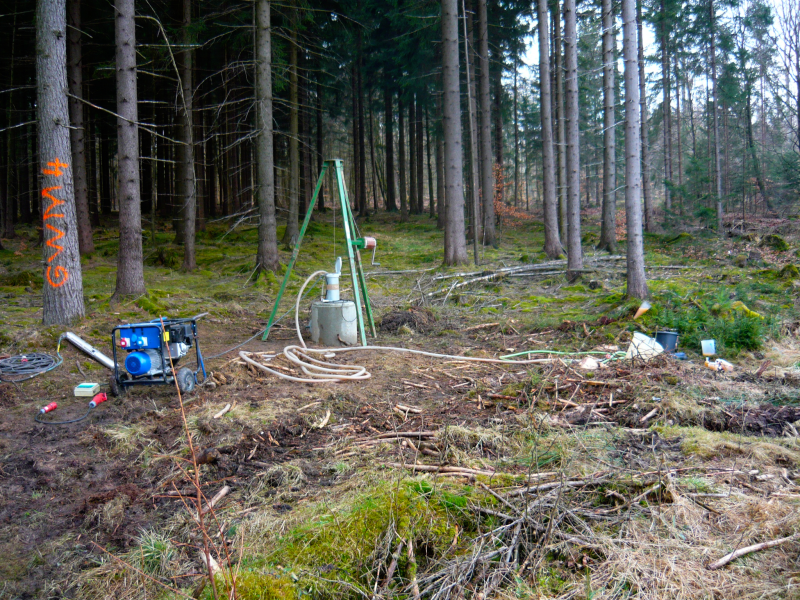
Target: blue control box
(137,337)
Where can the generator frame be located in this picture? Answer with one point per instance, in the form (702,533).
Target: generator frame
(121,380)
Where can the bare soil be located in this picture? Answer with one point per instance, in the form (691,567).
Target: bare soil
(70,489)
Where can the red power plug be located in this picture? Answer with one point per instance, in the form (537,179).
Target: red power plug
(98,399)
(50,407)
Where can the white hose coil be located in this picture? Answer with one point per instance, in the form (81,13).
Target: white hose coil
(317,371)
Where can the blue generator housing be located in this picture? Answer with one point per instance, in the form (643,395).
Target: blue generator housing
(151,351)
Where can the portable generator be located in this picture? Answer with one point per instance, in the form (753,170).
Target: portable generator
(151,353)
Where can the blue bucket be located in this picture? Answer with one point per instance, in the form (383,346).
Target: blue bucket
(668,340)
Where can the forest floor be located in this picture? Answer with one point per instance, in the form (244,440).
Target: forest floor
(435,478)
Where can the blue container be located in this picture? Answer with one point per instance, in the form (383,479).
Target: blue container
(668,339)
(137,363)
(136,337)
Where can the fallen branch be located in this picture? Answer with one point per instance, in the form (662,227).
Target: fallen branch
(442,469)
(750,549)
(394,434)
(221,413)
(649,415)
(217,497)
(478,327)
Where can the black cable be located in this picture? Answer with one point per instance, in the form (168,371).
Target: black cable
(27,366)
(38,420)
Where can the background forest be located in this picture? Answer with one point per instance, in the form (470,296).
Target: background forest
(363,81)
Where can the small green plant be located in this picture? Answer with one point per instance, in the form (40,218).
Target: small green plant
(712,317)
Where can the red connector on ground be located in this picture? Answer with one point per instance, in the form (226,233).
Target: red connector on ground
(98,399)
(50,407)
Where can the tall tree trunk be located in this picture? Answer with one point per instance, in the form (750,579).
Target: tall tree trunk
(455,249)
(441,203)
(130,267)
(715,100)
(356,189)
(305,145)
(552,242)
(678,137)
(649,215)
(487,178)
(401,157)
(762,189)
(637,284)
(267,257)
(497,117)
(77,130)
(572,116)
(372,156)
(420,158)
(472,117)
(431,201)
(667,108)
(388,122)
(292,231)
(516,134)
(608,228)
(10,213)
(187,177)
(62,292)
(318,113)
(362,150)
(561,141)
(412,156)
(200,169)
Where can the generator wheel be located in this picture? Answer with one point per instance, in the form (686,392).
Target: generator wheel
(185,379)
(116,389)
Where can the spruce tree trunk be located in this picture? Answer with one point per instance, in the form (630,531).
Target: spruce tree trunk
(497,117)
(77,131)
(455,248)
(472,118)
(572,117)
(130,267)
(561,141)
(62,292)
(356,188)
(715,100)
(608,229)
(651,225)
(373,165)
(388,119)
(420,158)
(292,230)
(9,187)
(487,177)
(515,118)
(431,201)
(401,157)
(441,203)
(667,108)
(412,156)
(552,241)
(267,257)
(321,198)
(637,284)
(362,146)
(188,200)
(678,136)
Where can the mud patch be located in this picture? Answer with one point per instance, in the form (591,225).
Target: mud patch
(763,420)
(420,319)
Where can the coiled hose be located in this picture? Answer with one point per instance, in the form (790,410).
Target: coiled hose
(317,371)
